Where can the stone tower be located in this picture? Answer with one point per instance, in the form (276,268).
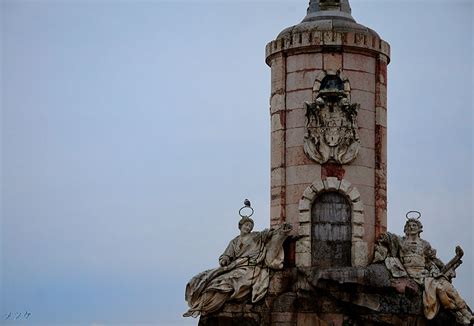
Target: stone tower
(328,180)
(328,136)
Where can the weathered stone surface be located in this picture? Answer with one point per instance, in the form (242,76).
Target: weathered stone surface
(277,154)
(300,80)
(278,121)
(277,177)
(359,62)
(277,103)
(367,137)
(296,156)
(294,137)
(241,272)
(294,193)
(361,80)
(364,98)
(360,175)
(299,174)
(412,256)
(296,118)
(331,121)
(365,158)
(366,119)
(381,116)
(296,99)
(332,61)
(303,61)
(278,77)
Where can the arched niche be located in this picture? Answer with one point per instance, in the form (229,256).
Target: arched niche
(358,247)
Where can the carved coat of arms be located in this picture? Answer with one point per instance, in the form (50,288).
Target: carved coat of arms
(331,127)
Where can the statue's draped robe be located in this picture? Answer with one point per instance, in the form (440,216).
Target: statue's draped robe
(248,272)
(417,259)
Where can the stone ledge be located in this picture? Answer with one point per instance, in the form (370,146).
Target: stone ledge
(315,41)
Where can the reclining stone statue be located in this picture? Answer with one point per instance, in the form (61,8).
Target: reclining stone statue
(410,256)
(244,269)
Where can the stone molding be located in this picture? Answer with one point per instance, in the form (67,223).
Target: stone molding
(359,252)
(314,41)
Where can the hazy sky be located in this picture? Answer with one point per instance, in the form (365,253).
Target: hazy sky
(131,132)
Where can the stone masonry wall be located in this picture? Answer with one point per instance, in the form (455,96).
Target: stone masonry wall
(292,80)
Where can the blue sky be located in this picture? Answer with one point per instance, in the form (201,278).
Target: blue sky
(131,131)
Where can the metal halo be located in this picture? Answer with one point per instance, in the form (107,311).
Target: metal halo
(240,210)
(408,213)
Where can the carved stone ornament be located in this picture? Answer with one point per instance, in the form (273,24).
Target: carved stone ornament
(244,269)
(331,127)
(414,258)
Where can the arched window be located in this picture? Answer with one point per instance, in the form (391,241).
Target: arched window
(331,231)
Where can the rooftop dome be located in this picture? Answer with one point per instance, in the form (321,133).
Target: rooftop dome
(328,15)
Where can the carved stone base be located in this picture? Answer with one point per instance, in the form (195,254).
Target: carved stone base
(337,297)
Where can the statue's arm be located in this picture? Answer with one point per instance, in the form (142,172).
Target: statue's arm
(228,255)
(436,265)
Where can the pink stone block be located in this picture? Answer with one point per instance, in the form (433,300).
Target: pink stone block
(359,62)
(360,175)
(297,156)
(365,158)
(278,77)
(275,213)
(369,215)
(304,61)
(277,177)
(277,103)
(302,174)
(301,79)
(278,121)
(332,61)
(277,149)
(381,96)
(292,214)
(367,137)
(365,119)
(361,80)
(295,136)
(276,194)
(367,194)
(381,116)
(296,118)
(365,99)
(296,99)
(295,192)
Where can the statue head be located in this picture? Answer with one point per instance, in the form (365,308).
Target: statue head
(413,226)
(244,220)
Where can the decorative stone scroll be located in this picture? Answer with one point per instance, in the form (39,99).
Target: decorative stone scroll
(331,127)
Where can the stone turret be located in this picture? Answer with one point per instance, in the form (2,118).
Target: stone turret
(328,180)
(328,150)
